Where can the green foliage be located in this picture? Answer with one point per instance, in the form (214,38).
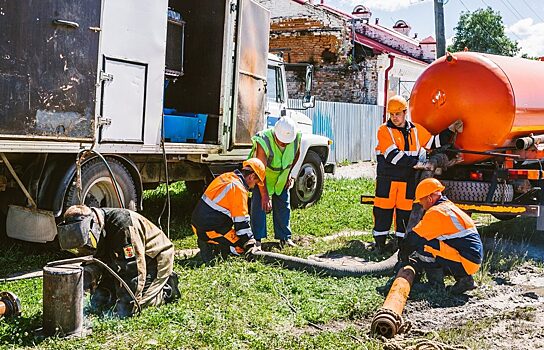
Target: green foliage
(483,31)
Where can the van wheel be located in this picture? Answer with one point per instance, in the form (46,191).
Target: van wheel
(97,186)
(308,186)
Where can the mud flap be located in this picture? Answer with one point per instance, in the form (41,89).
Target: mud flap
(31,225)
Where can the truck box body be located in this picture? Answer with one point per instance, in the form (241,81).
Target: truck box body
(94,70)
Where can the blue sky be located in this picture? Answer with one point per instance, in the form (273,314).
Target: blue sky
(523,19)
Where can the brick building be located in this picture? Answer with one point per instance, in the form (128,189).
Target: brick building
(354,57)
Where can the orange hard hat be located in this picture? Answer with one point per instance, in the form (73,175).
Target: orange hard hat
(258,168)
(396,104)
(426,187)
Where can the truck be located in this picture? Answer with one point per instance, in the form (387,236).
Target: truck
(502,145)
(101,99)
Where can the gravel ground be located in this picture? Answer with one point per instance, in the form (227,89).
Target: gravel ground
(355,171)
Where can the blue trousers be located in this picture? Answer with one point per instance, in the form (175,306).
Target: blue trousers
(281,215)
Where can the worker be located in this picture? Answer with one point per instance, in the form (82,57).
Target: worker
(221,217)
(278,148)
(444,241)
(132,246)
(401,149)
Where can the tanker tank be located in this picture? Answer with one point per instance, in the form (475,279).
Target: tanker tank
(498,98)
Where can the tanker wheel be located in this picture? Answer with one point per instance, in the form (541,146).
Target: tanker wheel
(504,217)
(308,186)
(98,189)
(474,191)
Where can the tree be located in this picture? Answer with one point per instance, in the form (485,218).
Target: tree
(483,31)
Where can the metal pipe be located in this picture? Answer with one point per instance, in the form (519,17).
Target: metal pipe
(529,141)
(10,305)
(386,86)
(63,300)
(388,320)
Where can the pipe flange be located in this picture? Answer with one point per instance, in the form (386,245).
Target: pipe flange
(12,302)
(387,323)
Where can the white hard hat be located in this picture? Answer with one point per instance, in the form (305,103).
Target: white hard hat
(285,130)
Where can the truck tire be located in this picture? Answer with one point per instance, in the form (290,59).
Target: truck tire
(308,186)
(474,191)
(98,189)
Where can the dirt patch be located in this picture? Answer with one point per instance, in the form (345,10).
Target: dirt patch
(355,171)
(504,314)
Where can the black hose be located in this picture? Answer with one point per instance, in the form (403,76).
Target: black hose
(381,268)
(81,154)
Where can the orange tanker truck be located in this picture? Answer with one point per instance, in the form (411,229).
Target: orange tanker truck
(501,102)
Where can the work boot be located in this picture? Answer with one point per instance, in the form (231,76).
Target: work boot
(380,244)
(436,278)
(287,242)
(462,284)
(258,245)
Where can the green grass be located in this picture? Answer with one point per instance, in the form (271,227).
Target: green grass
(234,304)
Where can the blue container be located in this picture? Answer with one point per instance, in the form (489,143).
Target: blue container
(184,127)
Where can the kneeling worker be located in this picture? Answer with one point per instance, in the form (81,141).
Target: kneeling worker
(132,246)
(444,241)
(221,217)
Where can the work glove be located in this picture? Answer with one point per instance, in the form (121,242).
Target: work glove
(456,126)
(424,166)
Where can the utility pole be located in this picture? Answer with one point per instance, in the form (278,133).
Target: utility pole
(439,28)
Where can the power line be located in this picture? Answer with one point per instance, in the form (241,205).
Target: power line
(512,9)
(480,24)
(533,11)
(486,4)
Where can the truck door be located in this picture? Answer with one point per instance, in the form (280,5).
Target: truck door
(251,69)
(123,101)
(48,68)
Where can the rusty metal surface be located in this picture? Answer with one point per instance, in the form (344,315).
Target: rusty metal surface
(63,300)
(253,30)
(47,70)
(388,320)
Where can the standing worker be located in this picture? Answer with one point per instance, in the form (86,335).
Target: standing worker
(221,217)
(278,148)
(133,247)
(401,149)
(444,241)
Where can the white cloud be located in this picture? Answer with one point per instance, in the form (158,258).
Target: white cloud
(530,36)
(383,5)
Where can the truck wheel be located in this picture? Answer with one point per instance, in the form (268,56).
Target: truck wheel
(474,191)
(308,186)
(98,189)
(504,217)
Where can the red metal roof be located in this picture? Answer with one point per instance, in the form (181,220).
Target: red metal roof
(428,40)
(378,47)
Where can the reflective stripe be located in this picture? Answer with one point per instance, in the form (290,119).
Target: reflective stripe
(417,139)
(430,143)
(459,234)
(412,153)
(223,193)
(240,218)
(380,233)
(215,206)
(244,231)
(437,141)
(390,149)
(397,157)
(233,250)
(454,219)
(427,259)
(400,234)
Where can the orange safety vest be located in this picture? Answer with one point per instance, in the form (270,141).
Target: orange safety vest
(222,212)
(452,235)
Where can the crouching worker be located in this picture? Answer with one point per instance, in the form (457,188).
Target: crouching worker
(133,247)
(445,241)
(221,217)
